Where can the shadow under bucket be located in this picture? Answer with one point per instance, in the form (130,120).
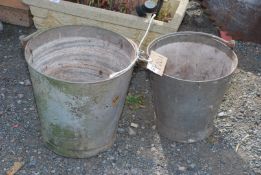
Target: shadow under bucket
(80,77)
(188,95)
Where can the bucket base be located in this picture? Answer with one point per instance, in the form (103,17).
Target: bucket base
(79,153)
(183,137)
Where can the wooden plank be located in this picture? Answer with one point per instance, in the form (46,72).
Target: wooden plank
(18,4)
(58,19)
(15,16)
(179,14)
(116,18)
(48,14)
(39,12)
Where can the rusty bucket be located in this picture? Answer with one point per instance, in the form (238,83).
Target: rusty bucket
(80,77)
(188,95)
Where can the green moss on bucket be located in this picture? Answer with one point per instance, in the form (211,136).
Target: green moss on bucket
(61,150)
(58,131)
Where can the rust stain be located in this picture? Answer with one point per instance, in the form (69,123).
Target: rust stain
(115,101)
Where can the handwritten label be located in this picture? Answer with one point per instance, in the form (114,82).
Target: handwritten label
(157,63)
(55,1)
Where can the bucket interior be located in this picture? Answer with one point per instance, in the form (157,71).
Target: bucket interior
(79,53)
(195,57)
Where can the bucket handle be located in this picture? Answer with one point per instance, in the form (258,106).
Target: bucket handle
(24,39)
(231,44)
(131,65)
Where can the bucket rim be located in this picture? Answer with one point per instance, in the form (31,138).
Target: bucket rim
(187,33)
(117,74)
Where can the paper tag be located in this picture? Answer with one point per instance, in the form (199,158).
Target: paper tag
(55,1)
(157,63)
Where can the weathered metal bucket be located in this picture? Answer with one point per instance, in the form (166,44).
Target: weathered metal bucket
(80,77)
(197,74)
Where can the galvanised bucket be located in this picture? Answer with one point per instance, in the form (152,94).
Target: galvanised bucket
(80,77)
(188,95)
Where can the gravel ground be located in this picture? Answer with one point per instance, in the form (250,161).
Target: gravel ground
(138,150)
